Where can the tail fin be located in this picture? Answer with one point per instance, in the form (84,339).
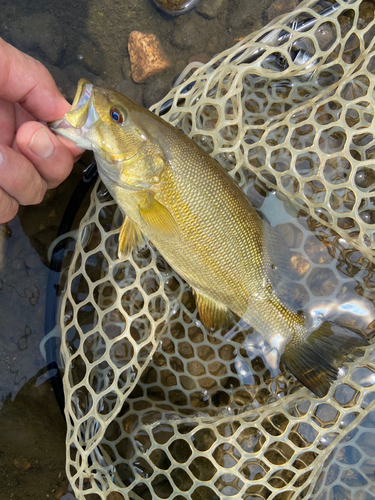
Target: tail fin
(315,362)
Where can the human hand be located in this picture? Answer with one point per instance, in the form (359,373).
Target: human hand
(32,158)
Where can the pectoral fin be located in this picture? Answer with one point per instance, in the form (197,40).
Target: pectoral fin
(130,238)
(212,314)
(158,218)
(315,362)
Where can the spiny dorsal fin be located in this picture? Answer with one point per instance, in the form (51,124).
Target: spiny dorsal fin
(158,218)
(130,238)
(213,315)
(315,362)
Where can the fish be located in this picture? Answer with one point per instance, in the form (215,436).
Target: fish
(177,196)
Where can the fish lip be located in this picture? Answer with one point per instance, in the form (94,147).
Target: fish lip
(73,126)
(56,124)
(83,95)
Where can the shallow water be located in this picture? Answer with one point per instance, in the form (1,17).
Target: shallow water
(74,40)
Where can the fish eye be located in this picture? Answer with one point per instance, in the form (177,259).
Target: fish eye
(117,115)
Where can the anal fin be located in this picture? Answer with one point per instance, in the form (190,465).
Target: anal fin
(212,314)
(315,362)
(130,238)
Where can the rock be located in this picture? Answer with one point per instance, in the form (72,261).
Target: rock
(175,7)
(132,90)
(155,89)
(210,8)
(245,16)
(91,58)
(41,31)
(146,56)
(115,495)
(23,463)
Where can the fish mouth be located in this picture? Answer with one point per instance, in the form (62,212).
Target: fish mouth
(79,113)
(79,118)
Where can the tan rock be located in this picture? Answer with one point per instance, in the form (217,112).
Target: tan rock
(146,56)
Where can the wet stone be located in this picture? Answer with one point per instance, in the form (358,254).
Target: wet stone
(245,16)
(146,56)
(23,463)
(175,7)
(115,495)
(211,8)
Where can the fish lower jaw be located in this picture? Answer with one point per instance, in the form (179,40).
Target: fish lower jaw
(63,128)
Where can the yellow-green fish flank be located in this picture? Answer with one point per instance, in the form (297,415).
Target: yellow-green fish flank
(176,195)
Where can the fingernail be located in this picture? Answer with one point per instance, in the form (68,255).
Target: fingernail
(41,144)
(1,158)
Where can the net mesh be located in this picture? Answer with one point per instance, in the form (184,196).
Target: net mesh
(158,408)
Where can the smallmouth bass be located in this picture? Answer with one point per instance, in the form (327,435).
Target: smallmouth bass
(180,198)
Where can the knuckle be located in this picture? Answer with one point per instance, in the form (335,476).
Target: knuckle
(37,192)
(39,195)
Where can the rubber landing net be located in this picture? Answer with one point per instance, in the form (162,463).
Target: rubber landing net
(158,409)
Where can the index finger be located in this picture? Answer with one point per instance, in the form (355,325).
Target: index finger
(26,81)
